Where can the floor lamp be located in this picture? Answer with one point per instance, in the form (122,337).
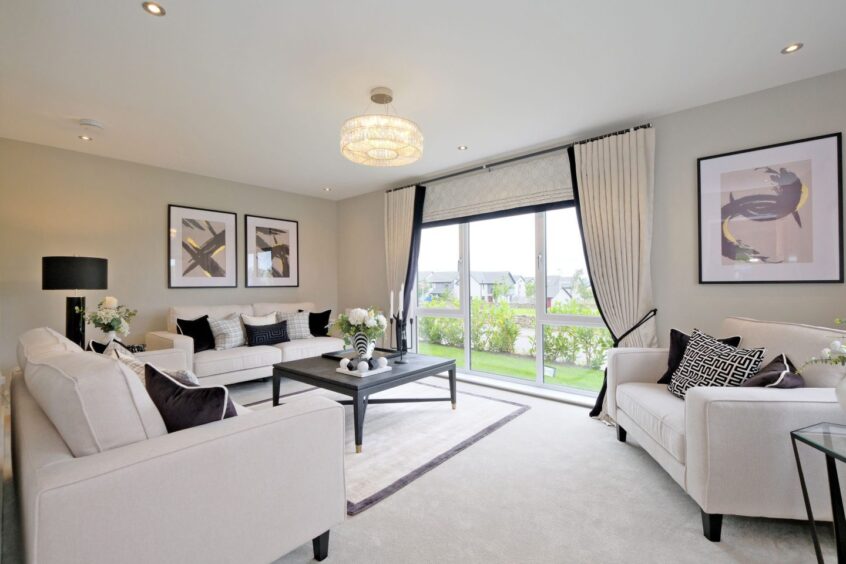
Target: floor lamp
(74,273)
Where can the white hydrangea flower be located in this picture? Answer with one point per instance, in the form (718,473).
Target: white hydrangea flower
(380,319)
(357,316)
(826,353)
(370,321)
(836,346)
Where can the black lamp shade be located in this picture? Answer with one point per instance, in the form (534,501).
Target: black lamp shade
(74,273)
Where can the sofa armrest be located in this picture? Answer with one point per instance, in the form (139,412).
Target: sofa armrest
(632,364)
(739,457)
(166,359)
(246,489)
(158,340)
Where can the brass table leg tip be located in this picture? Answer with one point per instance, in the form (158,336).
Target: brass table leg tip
(357,449)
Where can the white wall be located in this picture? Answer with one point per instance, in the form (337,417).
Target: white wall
(57,202)
(803,109)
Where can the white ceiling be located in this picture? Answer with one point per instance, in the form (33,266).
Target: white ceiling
(255,91)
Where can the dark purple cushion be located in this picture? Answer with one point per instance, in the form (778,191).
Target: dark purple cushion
(678,344)
(183,404)
(199,330)
(779,373)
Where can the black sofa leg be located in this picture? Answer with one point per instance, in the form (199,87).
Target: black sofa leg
(712,525)
(321,546)
(621,434)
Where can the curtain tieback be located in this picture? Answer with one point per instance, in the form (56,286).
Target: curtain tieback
(649,315)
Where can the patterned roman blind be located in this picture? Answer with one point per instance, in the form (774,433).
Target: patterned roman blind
(532,182)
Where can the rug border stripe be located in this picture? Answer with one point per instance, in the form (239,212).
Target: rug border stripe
(356,508)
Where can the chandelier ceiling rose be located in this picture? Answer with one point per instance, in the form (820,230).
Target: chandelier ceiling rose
(381,139)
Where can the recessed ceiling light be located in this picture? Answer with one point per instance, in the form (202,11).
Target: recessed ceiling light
(327,189)
(792,48)
(153,8)
(86,138)
(462,147)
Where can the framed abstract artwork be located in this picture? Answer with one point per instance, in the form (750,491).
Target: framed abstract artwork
(772,214)
(272,252)
(202,248)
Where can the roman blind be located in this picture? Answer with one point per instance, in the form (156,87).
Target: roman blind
(531,182)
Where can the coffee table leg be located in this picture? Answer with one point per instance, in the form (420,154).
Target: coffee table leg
(359,407)
(452,393)
(276,380)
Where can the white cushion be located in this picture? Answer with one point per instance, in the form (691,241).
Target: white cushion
(43,342)
(213,362)
(799,342)
(305,348)
(658,412)
(268,319)
(94,402)
(263,308)
(213,311)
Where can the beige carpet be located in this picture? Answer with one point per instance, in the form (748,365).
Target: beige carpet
(403,441)
(554,486)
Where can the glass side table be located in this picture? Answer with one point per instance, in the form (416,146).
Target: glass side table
(830,439)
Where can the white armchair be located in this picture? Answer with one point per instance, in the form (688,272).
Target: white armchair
(730,448)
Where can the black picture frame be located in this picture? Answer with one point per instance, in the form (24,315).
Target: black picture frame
(173,282)
(838,187)
(293,280)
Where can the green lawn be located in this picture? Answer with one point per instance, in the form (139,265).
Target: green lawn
(518,366)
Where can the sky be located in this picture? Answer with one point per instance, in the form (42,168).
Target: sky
(507,244)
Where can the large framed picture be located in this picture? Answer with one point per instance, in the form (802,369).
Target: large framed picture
(272,252)
(772,214)
(202,248)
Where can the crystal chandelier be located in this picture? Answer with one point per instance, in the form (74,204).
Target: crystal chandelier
(381,139)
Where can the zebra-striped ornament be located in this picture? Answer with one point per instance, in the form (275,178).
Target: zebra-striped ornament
(363,345)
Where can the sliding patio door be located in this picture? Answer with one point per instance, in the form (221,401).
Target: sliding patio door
(510,298)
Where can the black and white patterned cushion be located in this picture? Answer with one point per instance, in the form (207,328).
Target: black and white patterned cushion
(297,324)
(258,335)
(708,362)
(228,332)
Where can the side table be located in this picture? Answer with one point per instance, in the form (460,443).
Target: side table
(830,439)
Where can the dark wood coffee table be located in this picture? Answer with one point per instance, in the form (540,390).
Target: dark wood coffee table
(320,372)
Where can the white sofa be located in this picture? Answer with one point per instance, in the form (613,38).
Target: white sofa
(241,363)
(246,489)
(730,448)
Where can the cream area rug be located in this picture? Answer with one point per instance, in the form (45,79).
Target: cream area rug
(403,441)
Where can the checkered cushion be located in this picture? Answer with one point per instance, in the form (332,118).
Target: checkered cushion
(708,362)
(228,332)
(297,324)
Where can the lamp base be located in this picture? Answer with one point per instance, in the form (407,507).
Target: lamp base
(75,322)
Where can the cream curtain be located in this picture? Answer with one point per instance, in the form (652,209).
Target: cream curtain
(615,179)
(399,223)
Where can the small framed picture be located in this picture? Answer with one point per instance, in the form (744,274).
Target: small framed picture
(202,248)
(772,214)
(272,252)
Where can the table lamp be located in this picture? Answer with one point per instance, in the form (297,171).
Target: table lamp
(74,273)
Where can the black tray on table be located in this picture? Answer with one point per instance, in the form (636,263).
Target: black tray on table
(350,353)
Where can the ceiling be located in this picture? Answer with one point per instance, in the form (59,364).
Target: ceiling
(256,91)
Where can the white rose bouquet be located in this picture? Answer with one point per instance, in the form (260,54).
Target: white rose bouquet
(360,320)
(834,354)
(109,316)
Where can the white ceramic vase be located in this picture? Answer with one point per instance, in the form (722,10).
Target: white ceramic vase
(110,336)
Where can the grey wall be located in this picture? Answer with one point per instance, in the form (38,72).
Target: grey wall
(794,111)
(57,202)
(361,248)
(803,109)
